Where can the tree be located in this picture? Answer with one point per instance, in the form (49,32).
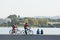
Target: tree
(12,16)
(43,21)
(14,19)
(26,20)
(35,21)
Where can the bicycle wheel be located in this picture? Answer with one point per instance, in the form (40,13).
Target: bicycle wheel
(29,32)
(10,32)
(17,32)
(23,32)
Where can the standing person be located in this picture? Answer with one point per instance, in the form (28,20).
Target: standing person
(25,27)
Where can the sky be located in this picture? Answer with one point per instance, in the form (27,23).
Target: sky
(29,8)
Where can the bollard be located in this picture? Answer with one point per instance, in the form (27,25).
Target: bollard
(41,31)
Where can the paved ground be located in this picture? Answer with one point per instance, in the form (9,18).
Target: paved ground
(29,37)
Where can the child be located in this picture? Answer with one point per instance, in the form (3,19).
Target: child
(38,31)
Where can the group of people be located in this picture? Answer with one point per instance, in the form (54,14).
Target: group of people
(25,27)
(14,27)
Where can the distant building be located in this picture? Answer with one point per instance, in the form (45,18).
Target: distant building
(5,20)
(55,24)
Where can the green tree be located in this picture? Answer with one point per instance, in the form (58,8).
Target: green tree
(35,21)
(43,21)
(14,19)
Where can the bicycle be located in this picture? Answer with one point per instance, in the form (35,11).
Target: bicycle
(29,31)
(16,31)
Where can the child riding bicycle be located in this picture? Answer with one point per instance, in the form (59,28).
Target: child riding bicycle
(14,27)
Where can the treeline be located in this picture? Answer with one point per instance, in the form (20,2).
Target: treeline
(31,21)
(41,22)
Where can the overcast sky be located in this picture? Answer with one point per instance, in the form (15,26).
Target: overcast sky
(29,8)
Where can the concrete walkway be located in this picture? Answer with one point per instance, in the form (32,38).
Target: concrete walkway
(29,37)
